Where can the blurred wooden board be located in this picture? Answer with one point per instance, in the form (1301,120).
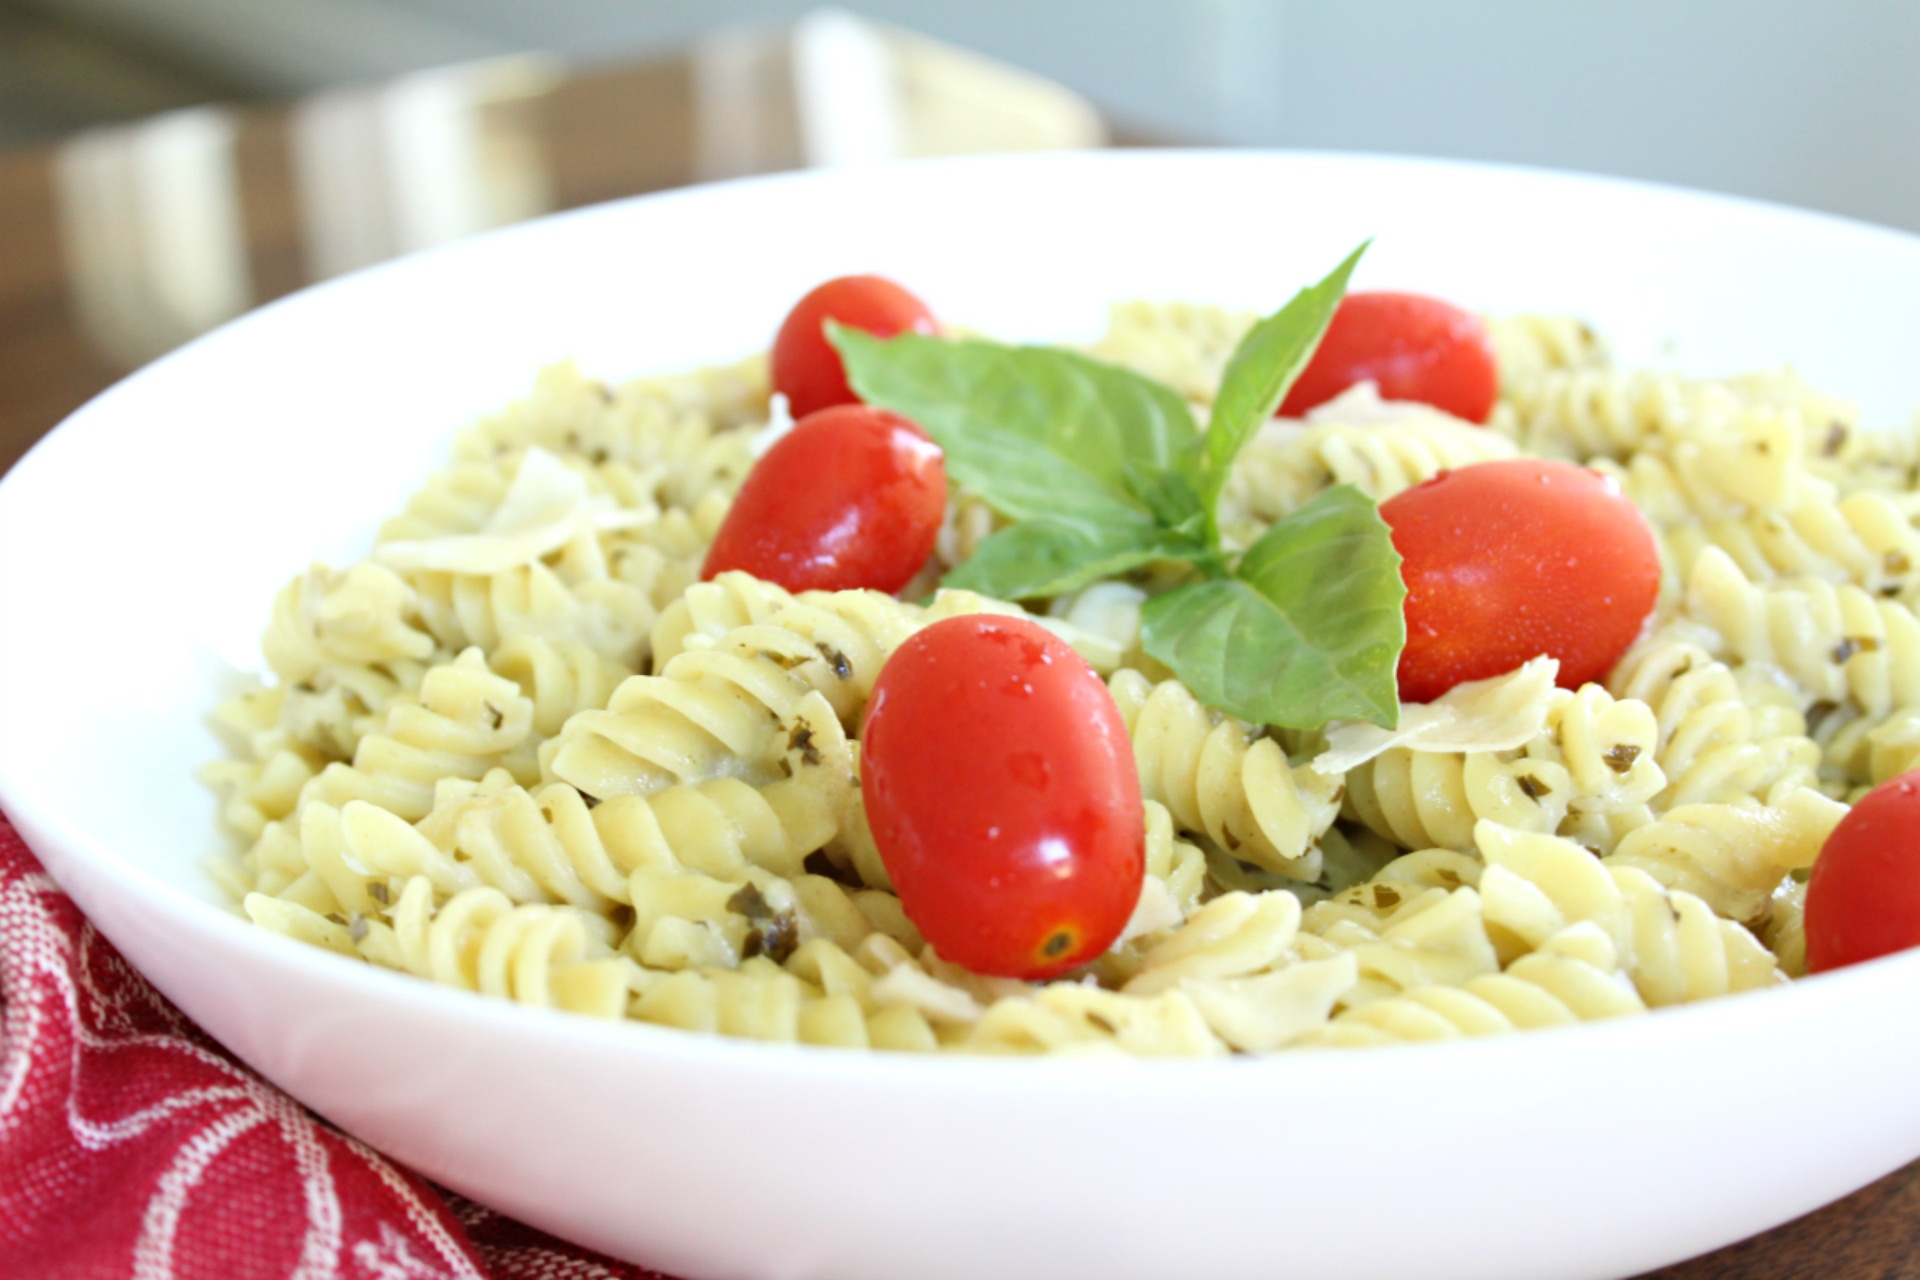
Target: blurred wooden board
(347,177)
(1873,1234)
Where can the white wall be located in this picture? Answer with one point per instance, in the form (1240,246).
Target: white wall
(1794,100)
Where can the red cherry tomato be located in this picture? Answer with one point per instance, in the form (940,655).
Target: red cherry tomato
(1505,561)
(851,497)
(1000,785)
(806,368)
(1863,895)
(1414,347)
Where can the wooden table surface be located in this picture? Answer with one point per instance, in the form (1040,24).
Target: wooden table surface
(606,133)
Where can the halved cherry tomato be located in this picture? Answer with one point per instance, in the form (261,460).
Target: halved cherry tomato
(1412,346)
(1000,785)
(1863,895)
(851,497)
(806,368)
(1505,561)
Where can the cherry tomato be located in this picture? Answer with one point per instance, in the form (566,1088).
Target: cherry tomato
(1412,346)
(1863,895)
(1505,561)
(806,368)
(1000,785)
(851,497)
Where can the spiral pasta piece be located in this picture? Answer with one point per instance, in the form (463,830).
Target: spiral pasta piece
(688,919)
(665,556)
(262,780)
(1428,799)
(1236,961)
(1760,428)
(1285,465)
(1383,459)
(1732,856)
(730,708)
(1401,937)
(1717,743)
(559,677)
(255,793)
(458,499)
(329,712)
(836,642)
(1180,867)
(1886,460)
(654,423)
(1864,538)
(757,1004)
(1065,1017)
(548,845)
(275,863)
(291,919)
(1893,747)
(966,523)
(872,994)
(1785,931)
(706,611)
(1002,1015)
(1691,486)
(467,720)
(1591,771)
(1836,642)
(1571,979)
(606,615)
(479,940)
(705,716)
(1235,935)
(1669,942)
(1108,613)
(1672,499)
(1221,778)
(724,823)
(1595,411)
(1526,346)
(1181,344)
(362,616)
(691,462)
(761,1001)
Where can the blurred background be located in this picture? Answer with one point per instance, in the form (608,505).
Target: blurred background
(167,164)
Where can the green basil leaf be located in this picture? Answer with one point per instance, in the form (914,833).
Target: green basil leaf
(1263,368)
(1309,630)
(1036,431)
(1170,497)
(1050,557)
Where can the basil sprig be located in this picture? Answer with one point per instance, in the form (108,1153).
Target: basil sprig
(1102,471)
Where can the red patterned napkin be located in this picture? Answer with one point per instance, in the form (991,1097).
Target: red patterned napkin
(131,1145)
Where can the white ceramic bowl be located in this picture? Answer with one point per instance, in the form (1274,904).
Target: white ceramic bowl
(141,544)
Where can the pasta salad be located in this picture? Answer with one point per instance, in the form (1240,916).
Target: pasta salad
(564,738)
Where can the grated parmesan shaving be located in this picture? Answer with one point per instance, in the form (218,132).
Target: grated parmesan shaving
(1482,715)
(1361,405)
(906,984)
(545,507)
(1155,910)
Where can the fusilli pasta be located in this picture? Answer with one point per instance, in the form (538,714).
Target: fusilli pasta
(526,750)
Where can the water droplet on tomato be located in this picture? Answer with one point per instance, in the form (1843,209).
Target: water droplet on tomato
(1029,769)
